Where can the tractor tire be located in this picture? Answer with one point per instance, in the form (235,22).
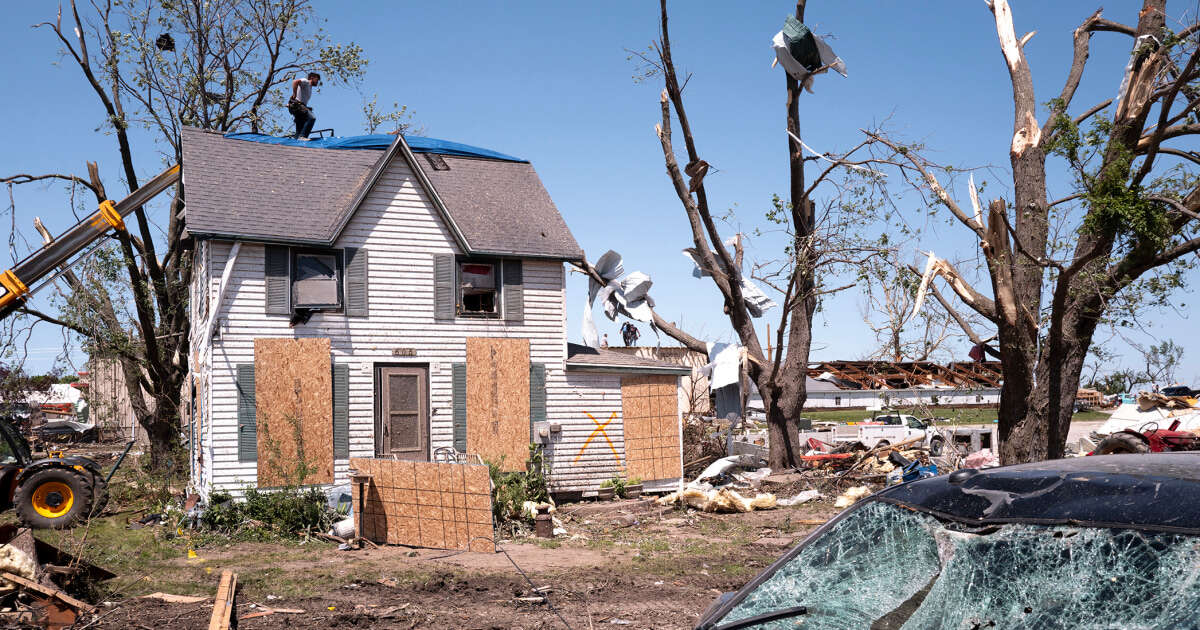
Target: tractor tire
(1122,443)
(54,498)
(936,446)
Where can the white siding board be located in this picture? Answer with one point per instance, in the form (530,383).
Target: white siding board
(402,232)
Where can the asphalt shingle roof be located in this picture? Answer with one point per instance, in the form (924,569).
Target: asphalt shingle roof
(581,355)
(272,192)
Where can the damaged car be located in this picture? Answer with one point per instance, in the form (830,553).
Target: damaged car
(1090,542)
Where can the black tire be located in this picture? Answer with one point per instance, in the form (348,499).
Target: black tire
(936,446)
(49,513)
(882,443)
(1122,443)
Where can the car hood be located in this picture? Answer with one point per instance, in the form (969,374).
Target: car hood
(1157,491)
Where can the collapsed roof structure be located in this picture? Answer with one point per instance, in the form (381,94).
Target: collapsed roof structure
(907,374)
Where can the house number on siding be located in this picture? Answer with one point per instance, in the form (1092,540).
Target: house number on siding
(404,352)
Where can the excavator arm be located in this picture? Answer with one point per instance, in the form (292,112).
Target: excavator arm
(18,282)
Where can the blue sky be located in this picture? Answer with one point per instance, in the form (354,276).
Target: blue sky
(552,82)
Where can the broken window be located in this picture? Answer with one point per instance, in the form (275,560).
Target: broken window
(885,566)
(316,280)
(478,292)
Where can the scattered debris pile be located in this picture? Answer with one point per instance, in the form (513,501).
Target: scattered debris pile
(40,584)
(716,489)
(1151,400)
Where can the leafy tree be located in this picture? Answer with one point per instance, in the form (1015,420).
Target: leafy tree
(1117,244)
(156,66)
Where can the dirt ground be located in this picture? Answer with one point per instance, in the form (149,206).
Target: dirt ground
(618,566)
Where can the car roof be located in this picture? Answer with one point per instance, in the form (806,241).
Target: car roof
(1156,491)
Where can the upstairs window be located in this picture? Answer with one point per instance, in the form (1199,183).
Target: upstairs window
(317,280)
(478,289)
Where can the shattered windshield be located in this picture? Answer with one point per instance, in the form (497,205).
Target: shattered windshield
(887,567)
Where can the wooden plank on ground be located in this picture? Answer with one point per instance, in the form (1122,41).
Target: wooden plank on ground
(293,389)
(498,401)
(47,590)
(223,604)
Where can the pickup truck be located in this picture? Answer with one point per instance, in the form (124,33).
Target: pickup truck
(890,429)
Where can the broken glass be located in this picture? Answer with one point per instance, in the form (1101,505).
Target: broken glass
(888,567)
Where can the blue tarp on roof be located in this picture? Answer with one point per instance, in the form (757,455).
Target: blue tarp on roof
(419,144)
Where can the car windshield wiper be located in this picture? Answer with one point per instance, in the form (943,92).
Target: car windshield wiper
(782,613)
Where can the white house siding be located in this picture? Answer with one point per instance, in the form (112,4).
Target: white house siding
(864,398)
(569,400)
(401,231)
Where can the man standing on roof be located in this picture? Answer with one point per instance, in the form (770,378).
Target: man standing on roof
(298,104)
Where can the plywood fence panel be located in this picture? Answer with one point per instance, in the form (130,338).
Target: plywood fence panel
(426,504)
(649,406)
(293,389)
(498,400)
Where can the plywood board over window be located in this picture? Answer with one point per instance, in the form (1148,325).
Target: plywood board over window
(426,504)
(650,416)
(498,401)
(294,395)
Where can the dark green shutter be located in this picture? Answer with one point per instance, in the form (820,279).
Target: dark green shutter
(443,286)
(356,281)
(341,411)
(513,291)
(537,395)
(278,278)
(458,381)
(247,414)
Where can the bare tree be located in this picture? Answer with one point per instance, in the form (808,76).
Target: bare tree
(818,241)
(214,64)
(907,325)
(1058,268)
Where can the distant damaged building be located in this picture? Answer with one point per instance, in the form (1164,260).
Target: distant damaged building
(882,384)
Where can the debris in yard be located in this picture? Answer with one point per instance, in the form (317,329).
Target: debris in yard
(851,496)
(176,599)
(266,611)
(722,500)
(982,459)
(52,608)
(803,497)
(15,561)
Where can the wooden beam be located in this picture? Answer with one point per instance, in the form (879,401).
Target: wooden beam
(223,605)
(47,590)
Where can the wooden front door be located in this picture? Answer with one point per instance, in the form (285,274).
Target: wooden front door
(402,428)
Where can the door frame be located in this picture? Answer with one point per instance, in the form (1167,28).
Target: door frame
(377,404)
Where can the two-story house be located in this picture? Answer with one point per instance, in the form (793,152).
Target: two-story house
(391,297)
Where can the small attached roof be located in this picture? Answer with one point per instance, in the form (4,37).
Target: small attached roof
(264,188)
(587,359)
